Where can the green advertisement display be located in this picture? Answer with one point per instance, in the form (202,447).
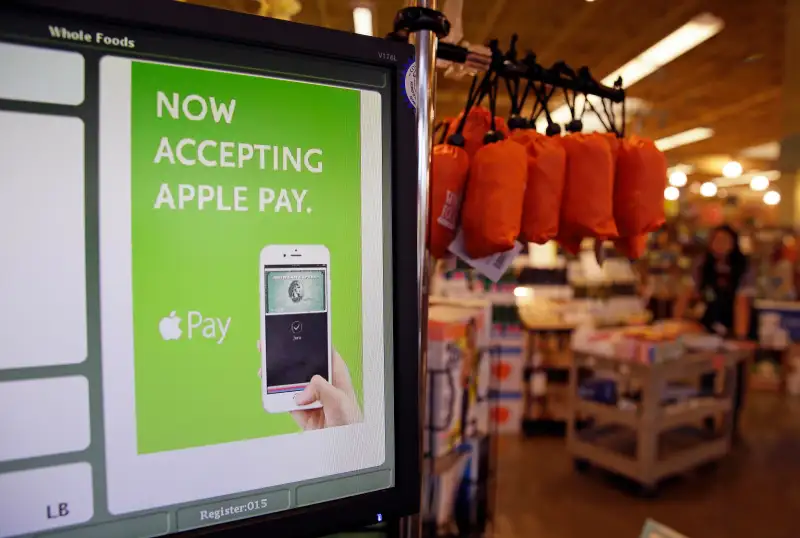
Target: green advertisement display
(223,164)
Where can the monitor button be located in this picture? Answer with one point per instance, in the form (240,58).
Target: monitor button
(46,498)
(44,416)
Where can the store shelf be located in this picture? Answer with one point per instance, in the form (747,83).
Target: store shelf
(607,413)
(691,412)
(691,365)
(615,448)
(651,441)
(548,356)
(670,416)
(446,462)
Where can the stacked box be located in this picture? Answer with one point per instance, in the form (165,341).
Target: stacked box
(477,371)
(506,369)
(506,411)
(457,331)
(446,327)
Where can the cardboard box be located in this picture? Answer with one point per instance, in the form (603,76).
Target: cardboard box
(506,370)
(505,412)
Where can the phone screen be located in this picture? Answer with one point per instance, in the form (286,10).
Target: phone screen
(296,326)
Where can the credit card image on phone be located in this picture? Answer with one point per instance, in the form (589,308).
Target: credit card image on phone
(295,322)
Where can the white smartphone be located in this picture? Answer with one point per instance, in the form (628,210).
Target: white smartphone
(295,322)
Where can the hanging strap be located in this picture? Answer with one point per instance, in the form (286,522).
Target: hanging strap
(493,101)
(524,97)
(512,85)
(440,132)
(474,98)
(542,99)
(576,125)
(604,117)
(542,105)
(608,108)
(515,119)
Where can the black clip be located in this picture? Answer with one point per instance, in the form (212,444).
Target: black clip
(414,19)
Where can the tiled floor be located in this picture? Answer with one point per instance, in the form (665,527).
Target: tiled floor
(754,493)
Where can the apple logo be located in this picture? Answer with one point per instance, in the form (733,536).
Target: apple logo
(170,327)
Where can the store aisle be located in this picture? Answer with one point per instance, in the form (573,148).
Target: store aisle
(753,493)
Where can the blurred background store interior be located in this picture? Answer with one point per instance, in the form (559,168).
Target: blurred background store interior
(716,83)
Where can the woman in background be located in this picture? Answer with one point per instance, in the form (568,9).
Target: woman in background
(723,280)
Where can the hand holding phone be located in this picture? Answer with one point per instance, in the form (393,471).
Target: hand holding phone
(338,399)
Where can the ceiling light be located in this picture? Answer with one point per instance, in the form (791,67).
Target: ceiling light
(686,137)
(708,189)
(679,42)
(747,179)
(678,178)
(732,169)
(680,167)
(759,183)
(772,197)
(672,193)
(770,151)
(362,20)
(521,292)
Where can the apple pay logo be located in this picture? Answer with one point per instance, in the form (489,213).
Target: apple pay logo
(198,326)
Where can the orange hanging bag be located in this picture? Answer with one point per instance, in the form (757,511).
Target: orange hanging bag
(494,196)
(587,203)
(546,163)
(498,174)
(632,247)
(449,170)
(641,178)
(477,122)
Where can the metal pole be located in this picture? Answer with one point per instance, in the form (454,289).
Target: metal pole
(425,43)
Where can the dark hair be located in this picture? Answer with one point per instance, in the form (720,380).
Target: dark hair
(736,259)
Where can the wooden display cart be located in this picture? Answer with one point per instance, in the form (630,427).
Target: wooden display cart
(649,441)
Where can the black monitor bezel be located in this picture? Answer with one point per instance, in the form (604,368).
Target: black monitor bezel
(206,23)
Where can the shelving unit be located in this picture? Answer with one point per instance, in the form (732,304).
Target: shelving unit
(460,449)
(650,441)
(545,400)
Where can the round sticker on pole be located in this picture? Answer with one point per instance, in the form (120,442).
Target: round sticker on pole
(411,84)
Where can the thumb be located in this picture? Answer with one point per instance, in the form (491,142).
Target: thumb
(317,390)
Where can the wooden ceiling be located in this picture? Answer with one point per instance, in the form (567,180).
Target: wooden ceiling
(731,83)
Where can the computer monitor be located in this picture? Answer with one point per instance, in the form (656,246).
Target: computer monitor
(208,287)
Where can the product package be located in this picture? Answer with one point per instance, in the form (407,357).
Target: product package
(505,412)
(641,176)
(547,163)
(442,490)
(477,124)
(587,202)
(507,369)
(454,356)
(492,208)
(449,170)
(475,347)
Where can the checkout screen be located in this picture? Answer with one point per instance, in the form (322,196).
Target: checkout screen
(151,169)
